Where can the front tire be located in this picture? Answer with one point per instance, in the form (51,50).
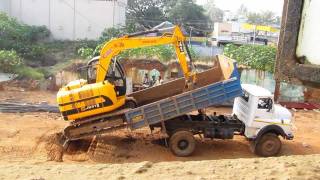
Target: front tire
(268,145)
(182,143)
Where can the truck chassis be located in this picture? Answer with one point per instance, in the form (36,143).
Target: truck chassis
(181,131)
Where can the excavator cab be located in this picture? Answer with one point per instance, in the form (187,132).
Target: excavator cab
(115,75)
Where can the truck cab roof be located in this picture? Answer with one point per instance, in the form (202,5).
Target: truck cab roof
(256,90)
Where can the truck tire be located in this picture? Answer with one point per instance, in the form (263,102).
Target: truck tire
(268,145)
(182,143)
(130,104)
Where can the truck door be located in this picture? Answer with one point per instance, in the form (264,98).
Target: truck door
(264,110)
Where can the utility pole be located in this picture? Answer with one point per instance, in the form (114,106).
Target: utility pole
(254,33)
(10,7)
(190,36)
(74,19)
(49,19)
(20,10)
(113,12)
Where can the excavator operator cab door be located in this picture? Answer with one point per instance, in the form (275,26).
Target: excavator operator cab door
(115,75)
(92,70)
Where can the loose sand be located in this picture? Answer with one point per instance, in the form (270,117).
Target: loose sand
(25,143)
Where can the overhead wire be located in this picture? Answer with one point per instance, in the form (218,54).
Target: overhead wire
(189,23)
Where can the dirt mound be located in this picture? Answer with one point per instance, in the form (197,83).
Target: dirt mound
(111,149)
(73,150)
(118,147)
(54,147)
(20,85)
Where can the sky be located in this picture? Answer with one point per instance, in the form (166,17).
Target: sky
(252,5)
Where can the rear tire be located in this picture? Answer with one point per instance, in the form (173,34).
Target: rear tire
(268,145)
(182,143)
(130,104)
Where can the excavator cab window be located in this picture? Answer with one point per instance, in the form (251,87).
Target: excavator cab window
(115,75)
(92,70)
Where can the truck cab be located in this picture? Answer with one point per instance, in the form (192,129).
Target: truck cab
(261,116)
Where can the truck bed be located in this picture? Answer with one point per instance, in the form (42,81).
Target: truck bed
(184,103)
(223,69)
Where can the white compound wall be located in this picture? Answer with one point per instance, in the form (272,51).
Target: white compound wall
(68,19)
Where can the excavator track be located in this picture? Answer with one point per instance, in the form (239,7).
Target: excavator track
(96,125)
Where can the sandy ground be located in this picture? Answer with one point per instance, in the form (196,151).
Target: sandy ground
(285,167)
(123,154)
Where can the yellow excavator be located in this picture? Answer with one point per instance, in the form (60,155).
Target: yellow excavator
(103,94)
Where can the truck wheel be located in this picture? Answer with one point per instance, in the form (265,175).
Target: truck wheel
(130,104)
(268,145)
(182,143)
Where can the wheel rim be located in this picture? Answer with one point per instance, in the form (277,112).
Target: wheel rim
(183,144)
(269,146)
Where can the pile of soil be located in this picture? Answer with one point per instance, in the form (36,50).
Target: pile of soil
(28,149)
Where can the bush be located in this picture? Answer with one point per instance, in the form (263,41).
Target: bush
(35,52)
(86,52)
(255,56)
(12,30)
(9,61)
(37,33)
(22,38)
(28,72)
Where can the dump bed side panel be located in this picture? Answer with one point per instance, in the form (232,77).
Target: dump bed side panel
(176,86)
(184,103)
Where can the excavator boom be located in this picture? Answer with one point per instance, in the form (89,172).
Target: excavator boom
(115,46)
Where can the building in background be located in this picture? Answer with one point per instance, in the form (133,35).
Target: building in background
(243,33)
(68,19)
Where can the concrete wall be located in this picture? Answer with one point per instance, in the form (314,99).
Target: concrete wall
(5,5)
(68,19)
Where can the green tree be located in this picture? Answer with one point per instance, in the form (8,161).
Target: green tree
(187,13)
(214,13)
(146,14)
(262,18)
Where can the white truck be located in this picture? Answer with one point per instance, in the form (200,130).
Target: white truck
(254,116)
(264,121)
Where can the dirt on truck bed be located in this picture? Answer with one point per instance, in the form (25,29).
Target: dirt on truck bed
(26,143)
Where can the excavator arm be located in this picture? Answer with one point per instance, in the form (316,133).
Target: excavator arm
(115,46)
